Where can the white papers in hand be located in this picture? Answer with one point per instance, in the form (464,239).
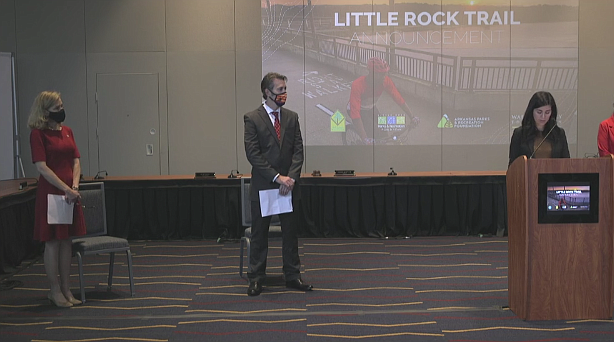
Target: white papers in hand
(273,203)
(58,211)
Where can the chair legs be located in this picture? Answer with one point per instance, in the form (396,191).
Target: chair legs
(241,257)
(129,257)
(248,250)
(110,276)
(81,280)
(244,242)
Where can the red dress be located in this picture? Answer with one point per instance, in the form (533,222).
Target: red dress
(58,149)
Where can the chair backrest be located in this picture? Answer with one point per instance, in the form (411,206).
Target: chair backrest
(94,210)
(246,205)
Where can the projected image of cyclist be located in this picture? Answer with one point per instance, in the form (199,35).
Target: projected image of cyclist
(362,107)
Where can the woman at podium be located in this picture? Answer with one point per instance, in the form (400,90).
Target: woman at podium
(539,136)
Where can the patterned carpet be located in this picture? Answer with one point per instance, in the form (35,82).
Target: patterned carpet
(420,289)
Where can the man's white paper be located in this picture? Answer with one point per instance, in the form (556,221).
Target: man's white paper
(58,211)
(273,203)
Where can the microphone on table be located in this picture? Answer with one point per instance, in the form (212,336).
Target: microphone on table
(541,142)
(235,174)
(98,176)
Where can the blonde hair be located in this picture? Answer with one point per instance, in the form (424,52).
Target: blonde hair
(42,103)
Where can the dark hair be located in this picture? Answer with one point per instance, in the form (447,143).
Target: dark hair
(267,81)
(539,99)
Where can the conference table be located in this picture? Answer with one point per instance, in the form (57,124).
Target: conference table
(374,205)
(16,222)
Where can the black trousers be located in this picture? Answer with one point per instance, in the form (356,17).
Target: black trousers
(260,244)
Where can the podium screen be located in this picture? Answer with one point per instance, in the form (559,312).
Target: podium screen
(568,198)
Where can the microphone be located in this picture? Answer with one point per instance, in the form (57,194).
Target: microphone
(541,142)
(98,176)
(235,174)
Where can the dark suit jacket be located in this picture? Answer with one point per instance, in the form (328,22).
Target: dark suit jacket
(268,155)
(519,147)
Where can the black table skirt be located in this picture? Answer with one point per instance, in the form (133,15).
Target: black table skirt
(417,206)
(174,209)
(16,229)
(330,207)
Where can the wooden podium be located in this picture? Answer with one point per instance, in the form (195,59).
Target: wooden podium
(559,271)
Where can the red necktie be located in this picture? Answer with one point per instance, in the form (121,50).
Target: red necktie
(277,125)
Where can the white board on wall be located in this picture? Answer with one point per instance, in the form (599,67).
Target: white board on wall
(7,137)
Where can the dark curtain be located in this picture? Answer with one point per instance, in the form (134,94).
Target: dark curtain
(330,207)
(17,229)
(416,206)
(174,209)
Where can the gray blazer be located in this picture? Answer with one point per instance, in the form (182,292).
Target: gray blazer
(270,156)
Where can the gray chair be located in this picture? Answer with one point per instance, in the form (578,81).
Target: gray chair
(95,241)
(246,214)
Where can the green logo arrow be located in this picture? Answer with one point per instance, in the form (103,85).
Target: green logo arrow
(337,122)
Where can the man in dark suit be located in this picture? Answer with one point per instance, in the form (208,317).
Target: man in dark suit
(274,147)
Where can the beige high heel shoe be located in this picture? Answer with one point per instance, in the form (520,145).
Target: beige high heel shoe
(74,301)
(59,304)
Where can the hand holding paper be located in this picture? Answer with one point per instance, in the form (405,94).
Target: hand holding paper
(284,190)
(285,181)
(59,211)
(72,196)
(272,202)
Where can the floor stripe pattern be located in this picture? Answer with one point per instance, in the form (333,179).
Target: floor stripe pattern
(420,289)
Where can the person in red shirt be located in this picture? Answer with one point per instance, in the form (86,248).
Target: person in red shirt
(55,154)
(605,137)
(562,202)
(366,91)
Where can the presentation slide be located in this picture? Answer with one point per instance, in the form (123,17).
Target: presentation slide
(569,197)
(419,72)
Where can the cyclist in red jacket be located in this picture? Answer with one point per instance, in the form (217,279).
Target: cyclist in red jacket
(366,91)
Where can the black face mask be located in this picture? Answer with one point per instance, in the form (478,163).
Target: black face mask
(58,117)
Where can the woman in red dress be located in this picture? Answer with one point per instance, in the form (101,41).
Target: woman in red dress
(56,157)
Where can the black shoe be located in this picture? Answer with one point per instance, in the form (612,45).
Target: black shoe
(298,285)
(254,289)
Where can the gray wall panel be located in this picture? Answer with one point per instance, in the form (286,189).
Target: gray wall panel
(124,26)
(200,25)
(596,65)
(248,98)
(248,43)
(50,26)
(596,94)
(248,33)
(7,26)
(203,120)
